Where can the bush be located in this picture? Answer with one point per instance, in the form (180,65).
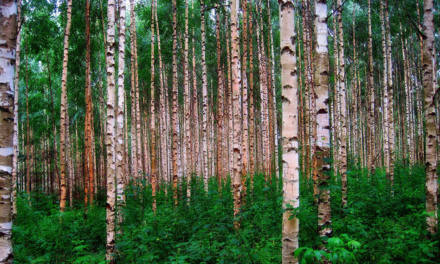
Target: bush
(380,224)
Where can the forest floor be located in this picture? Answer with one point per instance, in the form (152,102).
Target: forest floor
(379,225)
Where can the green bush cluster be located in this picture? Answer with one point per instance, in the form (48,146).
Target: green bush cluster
(380,224)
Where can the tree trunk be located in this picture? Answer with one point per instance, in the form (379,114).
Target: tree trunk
(245,114)
(342,112)
(88,126)
(390,95)
(229,100)
(236,91)
(205,98)
(370,92)
(289,83)
(322,144)
(174,107)
(264,114)
(220,105)
(163,111)
(154,167)
(429,112)
(195,116)
(187,105)
(273,117)
(27,136)
(8,29)
(16,105)
(251,96)
(120,147)
(110,133)
(63,123)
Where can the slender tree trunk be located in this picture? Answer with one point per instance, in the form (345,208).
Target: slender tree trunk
(264,114)
(63,123)
(370,91)
(69,161)
(187,105)
(195,115)
(390,95)
(88,126)
(290,226)
(134,140)
(342,112)
(8,38)
(110,133)
(322,144)
(27,136)
(205,98)
(162,100)
(407,108)
(273,117)
(236,91)
(174,107)
(120,147)
(307,39)
(229,95)
(429,113)
(154,167)
(220,105)
(136,85)
(245,114)
(251,94)
(335,102)
(16,105)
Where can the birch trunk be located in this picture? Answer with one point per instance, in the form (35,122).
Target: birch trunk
(290,225)
(245,113)
(110,133)
(163,122)
(154,167)
(174,106)
(236,91)
(16,106)
(220,105)
(429,112)
(371,125)
(251,96)
(343,110)
(63,122)
(322,144)
(187,105)
(120,148)
(8,23)
(195,114)
(390,167)
(205,98)
(264,114)
(134,141)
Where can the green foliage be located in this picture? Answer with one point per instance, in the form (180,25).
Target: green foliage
(338,250)
(379,225)
(201,231)
(42,234)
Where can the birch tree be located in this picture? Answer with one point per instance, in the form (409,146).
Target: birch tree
(110,132)
(63,122)
(322,143)
(236,91)
(429,112)
(289,83)
(8,33)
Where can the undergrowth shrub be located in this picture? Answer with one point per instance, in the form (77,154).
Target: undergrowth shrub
(380,224)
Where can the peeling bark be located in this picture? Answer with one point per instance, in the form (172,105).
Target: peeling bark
(289,83)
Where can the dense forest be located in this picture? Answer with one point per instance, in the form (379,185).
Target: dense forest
(219,131)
